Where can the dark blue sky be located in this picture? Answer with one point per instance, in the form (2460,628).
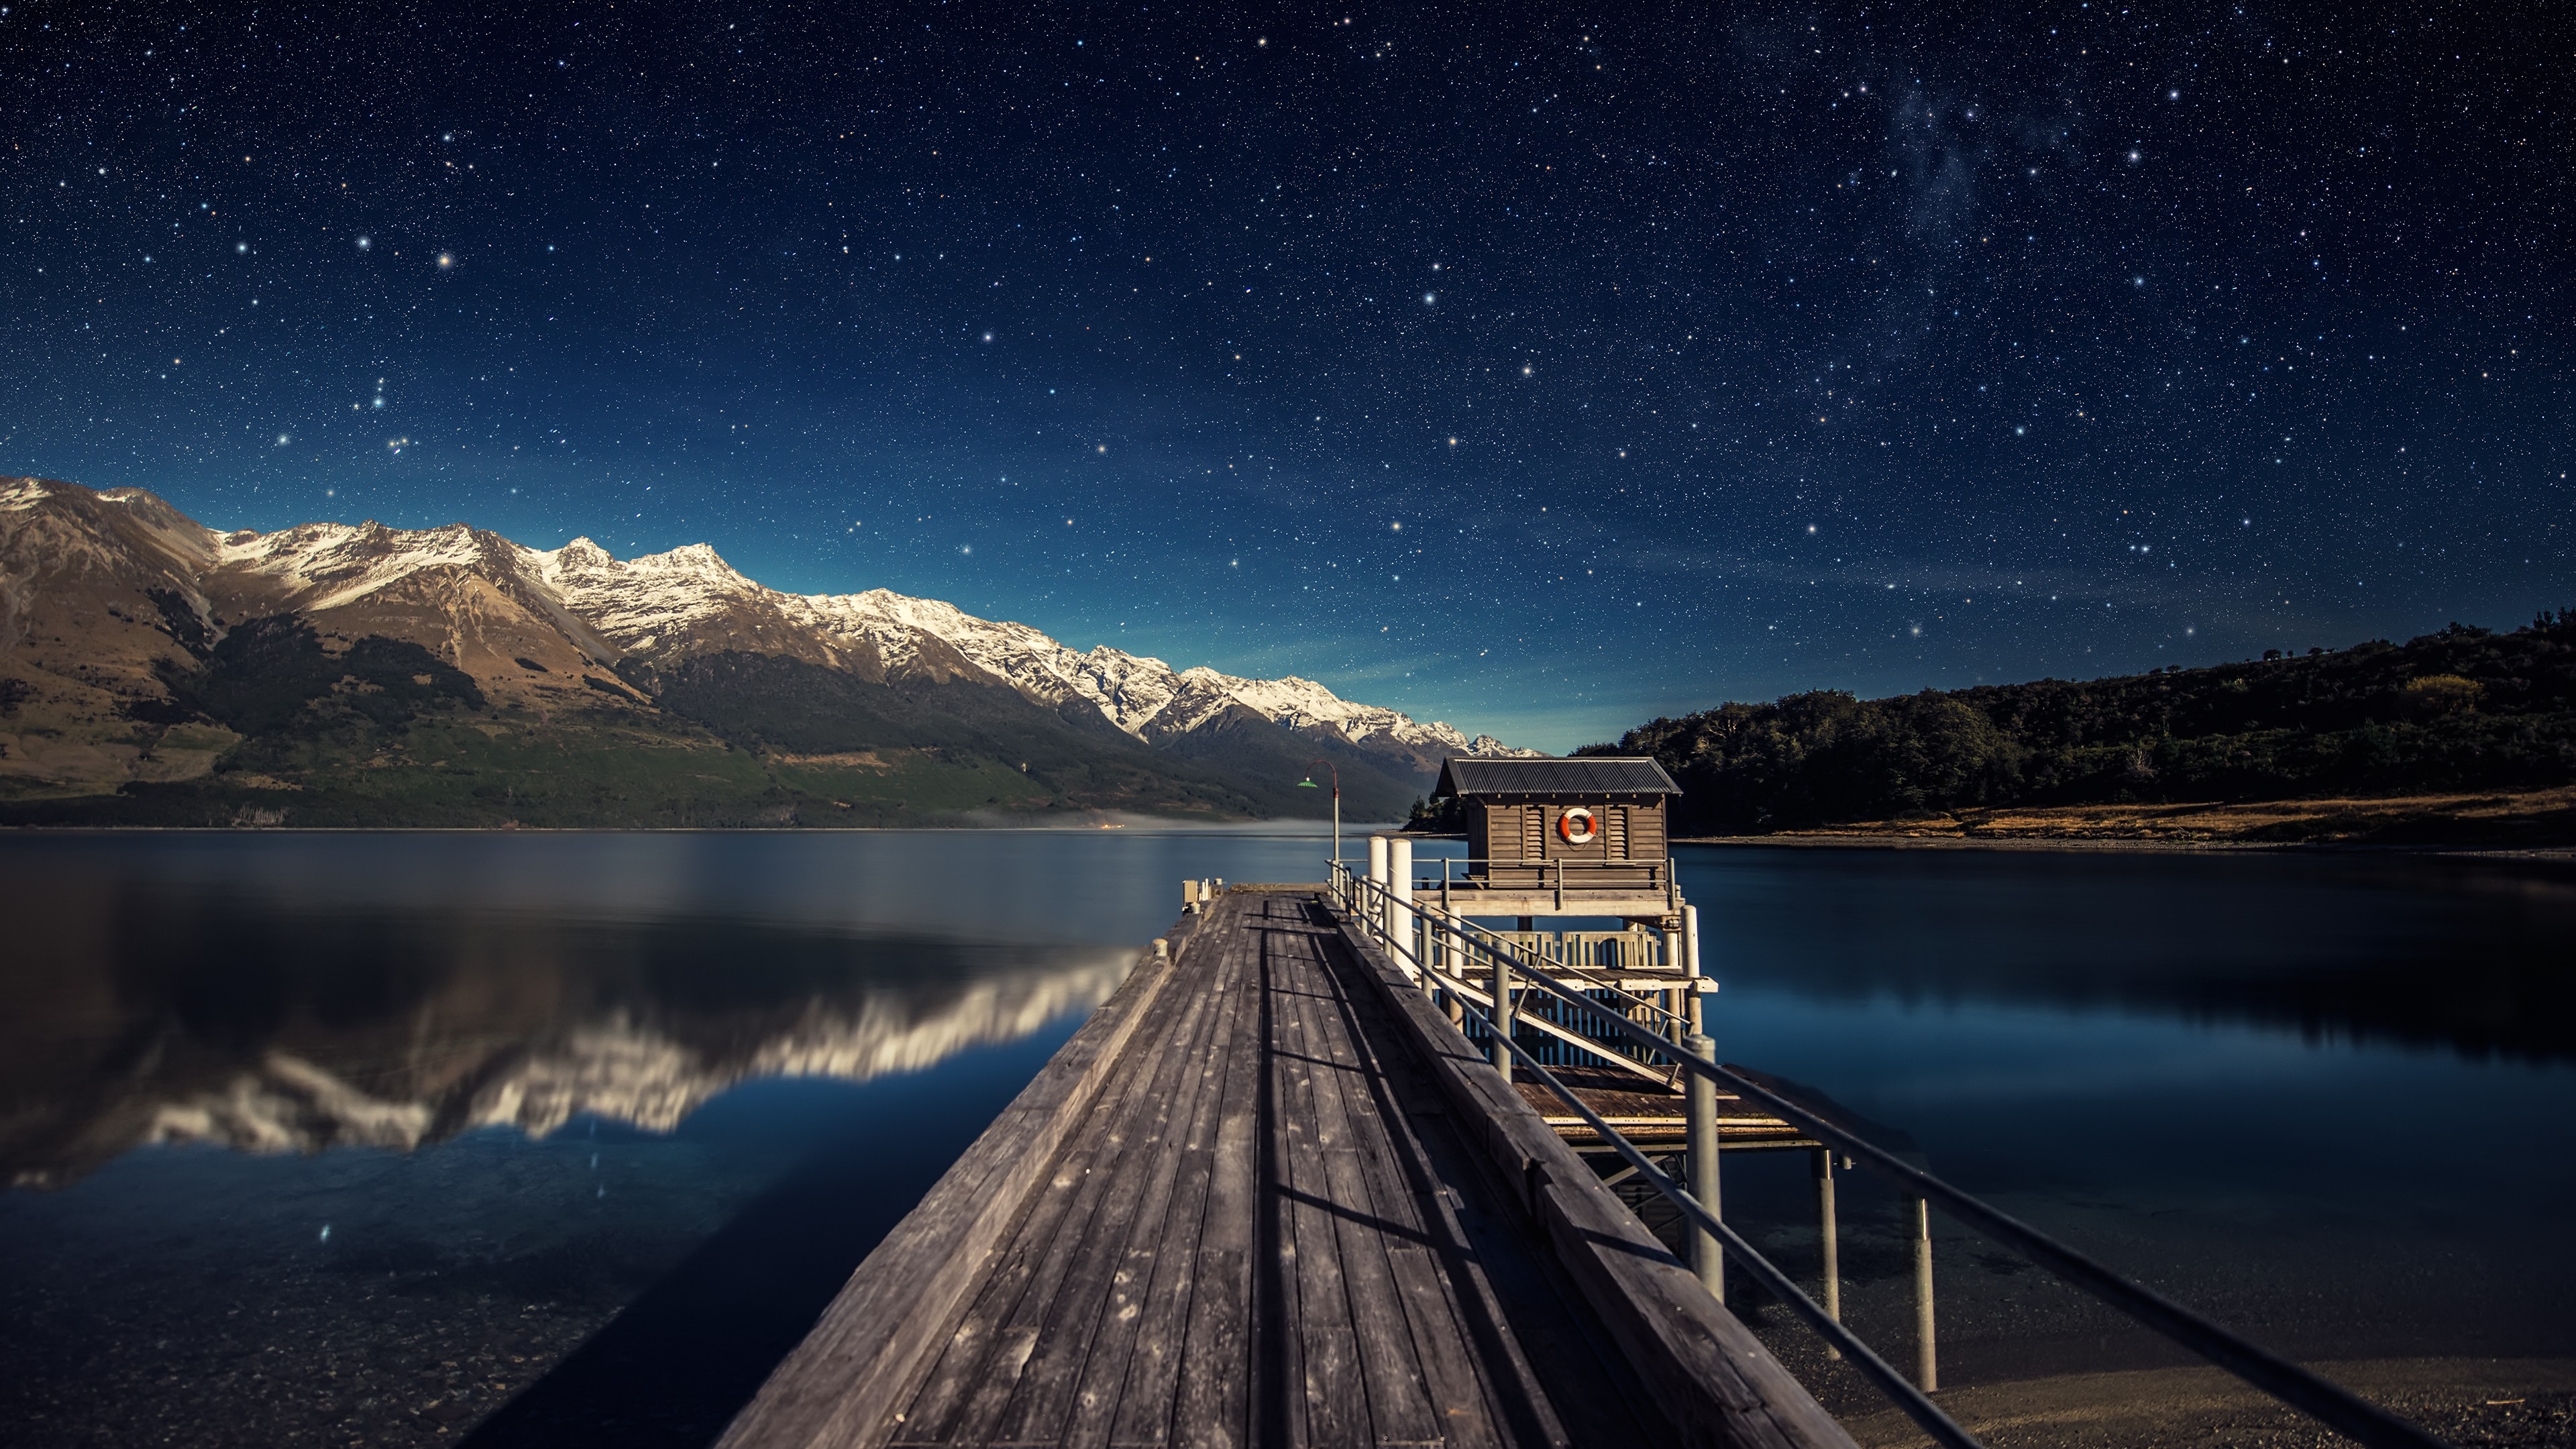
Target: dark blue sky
(1534,370)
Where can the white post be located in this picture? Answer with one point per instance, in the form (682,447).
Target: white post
(1690,963)
(1371,908)
(1399,910)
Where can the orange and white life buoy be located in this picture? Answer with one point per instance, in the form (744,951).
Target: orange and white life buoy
(1575,826)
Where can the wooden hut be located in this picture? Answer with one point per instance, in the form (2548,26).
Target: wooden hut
(1580,829)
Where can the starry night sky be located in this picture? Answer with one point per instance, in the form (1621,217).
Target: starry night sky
(1537,370)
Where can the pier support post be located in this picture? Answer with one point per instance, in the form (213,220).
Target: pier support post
(1699,1106)
(1373,908)
(1927,1358)
(1399,907)
(1691,967)
(1503,1017)
(1829,1238)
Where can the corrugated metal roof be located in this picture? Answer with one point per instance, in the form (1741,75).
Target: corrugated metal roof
(1582,778)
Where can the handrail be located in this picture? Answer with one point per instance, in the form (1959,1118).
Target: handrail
(1468,930)
(2330,1403)
(1917,1405)
(1496,944)
(1462,927)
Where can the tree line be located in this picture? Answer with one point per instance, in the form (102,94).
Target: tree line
(2462,709)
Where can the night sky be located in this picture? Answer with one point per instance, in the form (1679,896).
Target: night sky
(1539,370)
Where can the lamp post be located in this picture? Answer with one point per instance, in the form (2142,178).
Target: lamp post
(1309,783)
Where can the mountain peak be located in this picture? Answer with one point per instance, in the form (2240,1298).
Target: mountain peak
(520,621)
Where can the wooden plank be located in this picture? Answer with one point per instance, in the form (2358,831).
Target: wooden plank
(1039,1345)
(1399,1401)
(1715,1382)
(990,1346)
(1163,1230)
(993,1343)
(1403,1191)
(985,1332)
(838,1387)
(1213,1401)
(970,1385)
(1328,1402)
(1145,1403)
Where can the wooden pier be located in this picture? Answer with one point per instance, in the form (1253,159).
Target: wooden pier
(1269,1196)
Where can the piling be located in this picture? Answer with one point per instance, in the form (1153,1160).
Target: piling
(1699,1109)
(1829,1238)
(1927,1357)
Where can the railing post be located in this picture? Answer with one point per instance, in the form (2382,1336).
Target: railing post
(1927,1358)
(1374,907)
(1829,1237)
(1700,1123)
(1502,1015)
(1399,906)
(1455,947)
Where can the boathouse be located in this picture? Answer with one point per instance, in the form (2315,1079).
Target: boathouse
(1597,814)
(1545,837)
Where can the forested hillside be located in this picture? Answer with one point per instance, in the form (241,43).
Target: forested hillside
(2463,709)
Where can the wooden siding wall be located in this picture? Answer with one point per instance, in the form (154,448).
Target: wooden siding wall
(1646,832)
(1506,831)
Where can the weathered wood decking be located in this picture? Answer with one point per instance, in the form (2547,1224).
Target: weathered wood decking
(1266,1196)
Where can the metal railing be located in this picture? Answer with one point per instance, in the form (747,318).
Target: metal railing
(1557,875)
(1418,935)
(1460,945)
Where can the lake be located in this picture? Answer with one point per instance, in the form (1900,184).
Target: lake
(563,1139)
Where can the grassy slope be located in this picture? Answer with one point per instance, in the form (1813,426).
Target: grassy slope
(382,734)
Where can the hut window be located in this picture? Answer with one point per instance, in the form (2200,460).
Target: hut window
(1533,832)
(1614,824)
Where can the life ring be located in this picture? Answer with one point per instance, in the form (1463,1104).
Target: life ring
(1576,826)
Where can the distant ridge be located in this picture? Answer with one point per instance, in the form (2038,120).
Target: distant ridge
(320,673)
(2422,727)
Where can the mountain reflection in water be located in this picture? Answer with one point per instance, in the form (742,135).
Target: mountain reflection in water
(148,1018)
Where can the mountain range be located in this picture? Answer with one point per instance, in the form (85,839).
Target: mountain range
(154,670)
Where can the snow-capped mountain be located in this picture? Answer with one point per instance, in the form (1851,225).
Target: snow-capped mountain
(110,603)
(668,605)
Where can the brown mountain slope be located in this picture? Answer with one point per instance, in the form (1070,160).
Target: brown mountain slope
(156,671)
(152,671)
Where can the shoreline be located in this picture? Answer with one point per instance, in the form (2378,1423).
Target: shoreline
(1831,840)
(2539,824)
(1260,830)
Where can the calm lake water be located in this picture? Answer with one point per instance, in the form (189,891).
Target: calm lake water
(527,1139)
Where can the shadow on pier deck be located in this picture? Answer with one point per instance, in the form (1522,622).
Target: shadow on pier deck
(1267,1196)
